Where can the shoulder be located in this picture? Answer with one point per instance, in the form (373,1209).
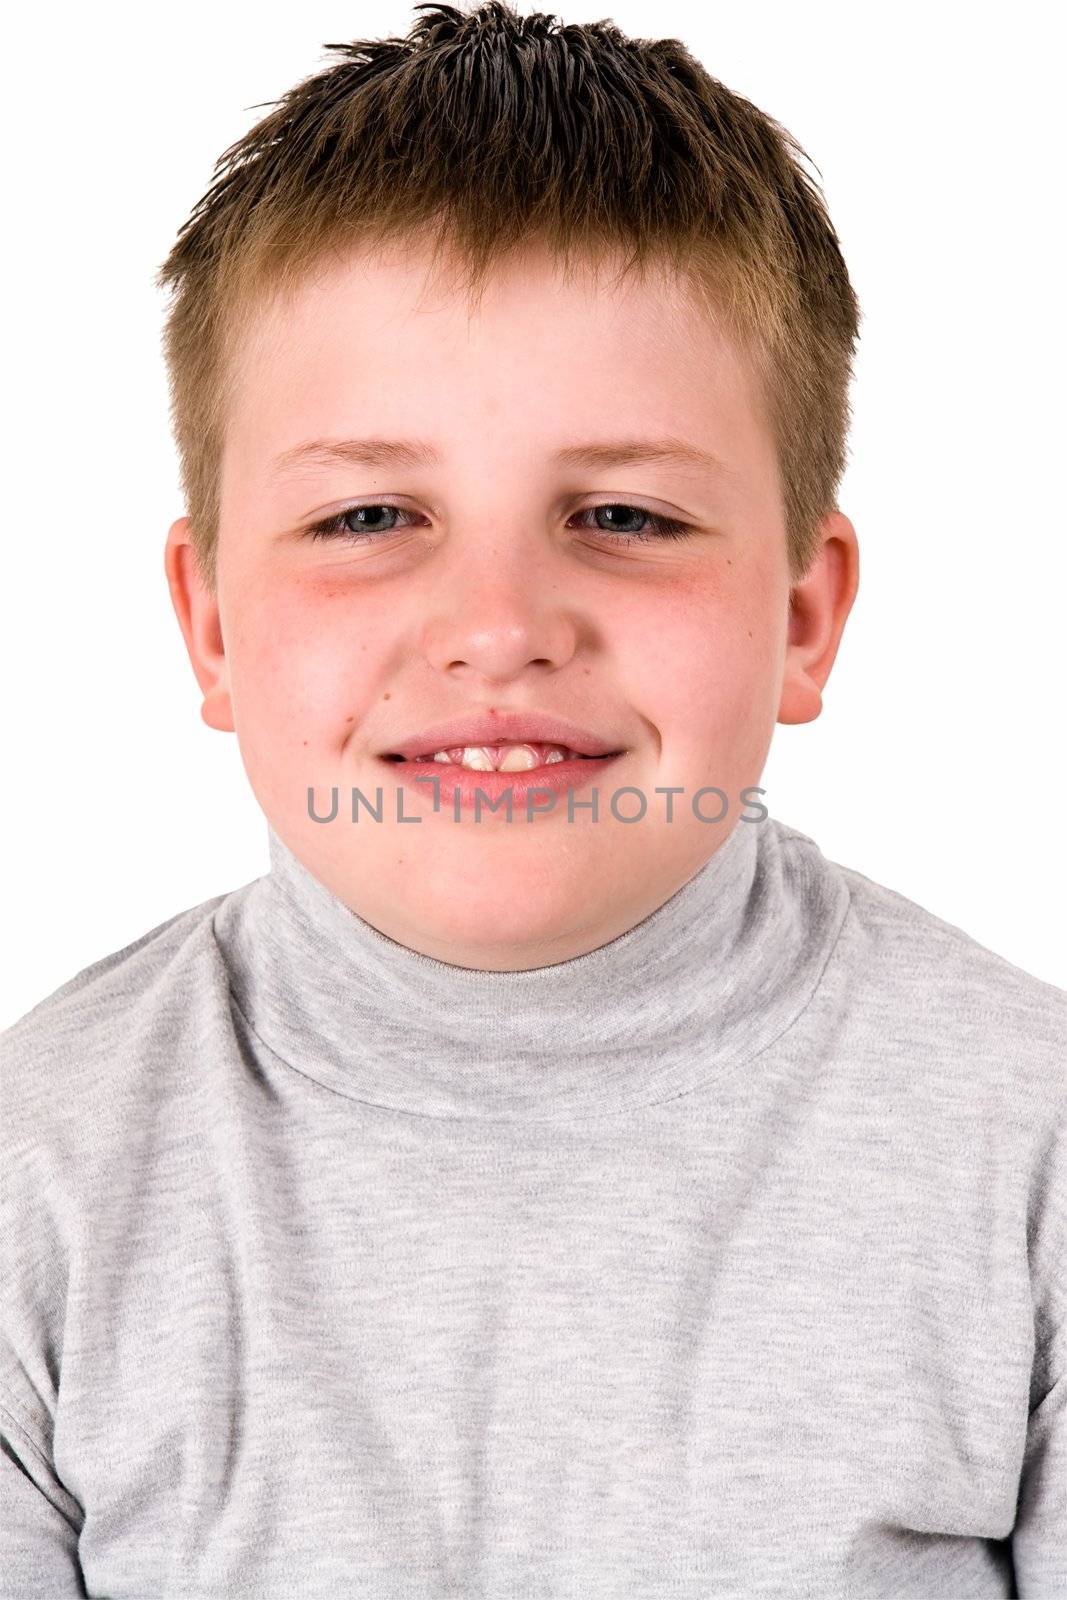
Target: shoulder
(83,1048)
(920,981)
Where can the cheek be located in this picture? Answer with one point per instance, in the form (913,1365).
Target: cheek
(297,664)
(705,666)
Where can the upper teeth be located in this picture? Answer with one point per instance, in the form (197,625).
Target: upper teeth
(504,758)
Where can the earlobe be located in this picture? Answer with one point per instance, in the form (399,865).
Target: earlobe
(216,710)
(818,609)
(197,610)
(801,699)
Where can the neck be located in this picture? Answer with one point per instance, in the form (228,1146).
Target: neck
(699,984)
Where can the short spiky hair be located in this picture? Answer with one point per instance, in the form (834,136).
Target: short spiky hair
(492,129)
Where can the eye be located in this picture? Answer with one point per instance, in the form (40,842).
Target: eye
(347,525)
(359,524)
(657,527)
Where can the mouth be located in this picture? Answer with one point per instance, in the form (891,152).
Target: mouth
(470,776)
(502,755)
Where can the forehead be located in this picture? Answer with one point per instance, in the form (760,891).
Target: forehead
(388,341)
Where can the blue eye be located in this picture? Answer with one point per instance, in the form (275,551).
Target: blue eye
(663,527)
(339,527)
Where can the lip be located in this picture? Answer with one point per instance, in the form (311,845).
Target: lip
(514,727)
(460,786)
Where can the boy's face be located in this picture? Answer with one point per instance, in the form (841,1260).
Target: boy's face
(494,586)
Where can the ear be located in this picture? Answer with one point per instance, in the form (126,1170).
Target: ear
(818,608)
(197,610)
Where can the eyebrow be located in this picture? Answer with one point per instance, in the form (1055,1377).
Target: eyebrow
(417,453)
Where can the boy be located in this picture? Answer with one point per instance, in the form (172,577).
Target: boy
(553,1177)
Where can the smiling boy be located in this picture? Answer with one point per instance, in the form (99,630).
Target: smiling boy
(554,1176)
(487,598)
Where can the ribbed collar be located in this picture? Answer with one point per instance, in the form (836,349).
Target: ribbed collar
(706,981)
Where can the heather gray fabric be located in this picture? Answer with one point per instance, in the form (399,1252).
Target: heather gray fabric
(726,1260)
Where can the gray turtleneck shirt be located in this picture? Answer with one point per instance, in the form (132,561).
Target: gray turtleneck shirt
(726,1260)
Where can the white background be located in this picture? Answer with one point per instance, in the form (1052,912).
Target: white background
(938,764)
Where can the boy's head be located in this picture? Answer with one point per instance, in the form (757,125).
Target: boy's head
(518,247)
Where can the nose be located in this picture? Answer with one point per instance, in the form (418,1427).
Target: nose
(497,612)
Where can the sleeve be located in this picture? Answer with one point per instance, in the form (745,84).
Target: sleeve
(1039,1535)
(38,1521)
(1039,1539)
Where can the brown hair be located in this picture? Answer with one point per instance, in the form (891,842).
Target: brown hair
(492,128)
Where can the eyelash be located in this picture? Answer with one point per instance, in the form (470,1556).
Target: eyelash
(665,527)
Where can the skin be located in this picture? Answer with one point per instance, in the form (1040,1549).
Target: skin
(499,588)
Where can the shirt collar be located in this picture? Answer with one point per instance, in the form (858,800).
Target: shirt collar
(703,983)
